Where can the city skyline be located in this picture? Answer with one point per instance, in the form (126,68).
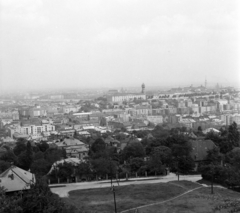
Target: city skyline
(116,44)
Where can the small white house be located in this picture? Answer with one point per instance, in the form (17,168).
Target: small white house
(73,161)
(211,130)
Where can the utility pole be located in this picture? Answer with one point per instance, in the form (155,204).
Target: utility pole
(111,169)
(178,168)
(212,181)
(114,197)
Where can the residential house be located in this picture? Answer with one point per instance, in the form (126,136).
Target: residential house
(110,141)
(200,149)
(16,179)
(187,123)
(74,148)
(73,161)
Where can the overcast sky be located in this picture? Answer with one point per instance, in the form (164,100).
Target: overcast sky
(118,43)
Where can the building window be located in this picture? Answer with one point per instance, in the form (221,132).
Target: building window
(38,129)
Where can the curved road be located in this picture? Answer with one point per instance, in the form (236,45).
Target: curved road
(62,190)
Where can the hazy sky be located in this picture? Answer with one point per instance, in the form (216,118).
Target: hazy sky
(118,43)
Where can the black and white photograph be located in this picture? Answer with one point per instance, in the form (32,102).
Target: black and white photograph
(119,106)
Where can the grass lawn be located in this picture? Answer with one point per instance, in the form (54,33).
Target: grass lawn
(199,201)
(132,196)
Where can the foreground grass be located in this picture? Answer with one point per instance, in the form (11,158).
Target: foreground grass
(101,200)
(133,196)
(199,201)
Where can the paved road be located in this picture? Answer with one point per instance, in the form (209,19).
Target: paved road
(64,189)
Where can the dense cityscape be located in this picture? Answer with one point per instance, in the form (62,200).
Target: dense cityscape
(124,106)
(117,135)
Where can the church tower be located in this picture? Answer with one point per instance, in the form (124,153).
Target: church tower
(143,88)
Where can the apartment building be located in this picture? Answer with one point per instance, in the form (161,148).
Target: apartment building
(30,129)
(121,97)
(157,119)
(141,111)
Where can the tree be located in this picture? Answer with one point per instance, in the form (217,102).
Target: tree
(199,129)
(185,164)
(25,159)
(223,131)
(150,144)
(97,148)
(182,160)
(4,166)
(160,132)
(84,170)
(215,137)
(40,167)
(233,135)
(102,166)
(134,149)
(20,147)
(141,134)
(154,165)
(164,153)
(120,136)
(43,146)
(179,150)
(10,157)
(136,164)
(221,141)
(233,158)
(40,199)
(9,204)
(38,155)
(53,154)
(65,170)
(214,156)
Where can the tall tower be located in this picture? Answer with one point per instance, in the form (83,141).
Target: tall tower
(205,83)
(143,88)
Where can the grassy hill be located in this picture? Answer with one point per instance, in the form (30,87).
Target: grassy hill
(134,196)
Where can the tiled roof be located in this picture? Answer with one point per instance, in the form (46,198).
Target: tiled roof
(70,142)
(200,148)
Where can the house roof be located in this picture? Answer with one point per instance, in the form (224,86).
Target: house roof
(70,142)
(16,179)
(77,149)
(211,130)
(110,139)
(128,141)
(73,161)
(19,135)
(200,148)
(192,135)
